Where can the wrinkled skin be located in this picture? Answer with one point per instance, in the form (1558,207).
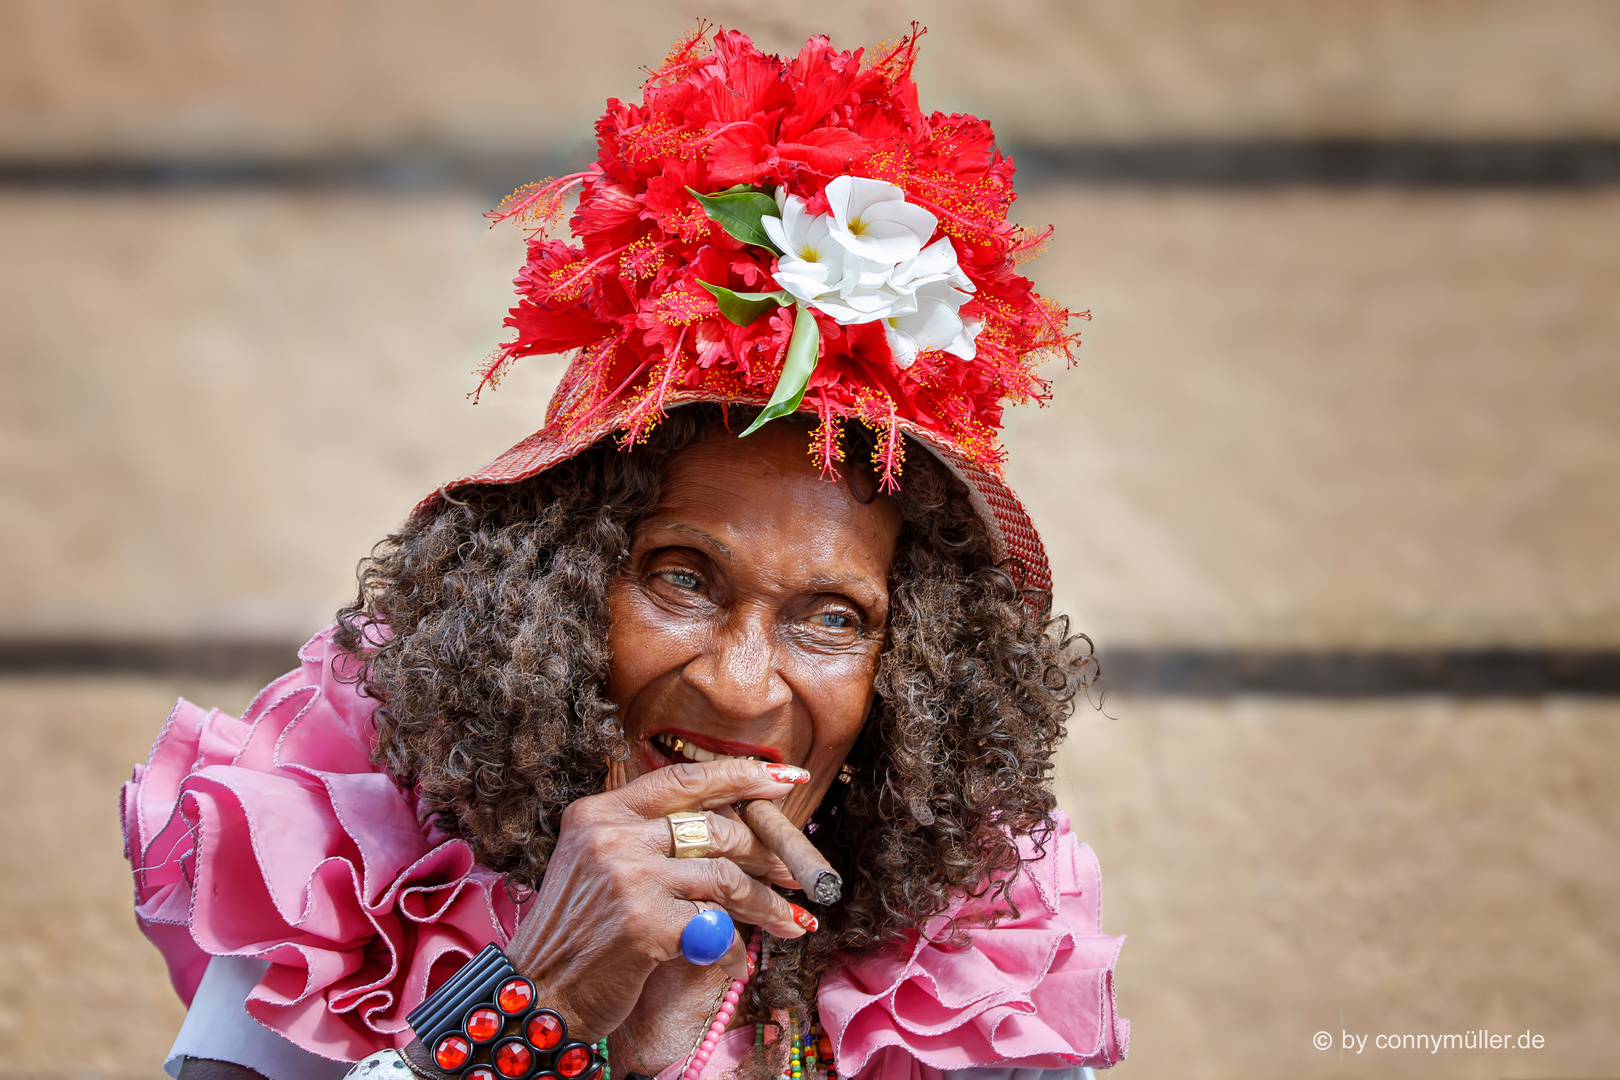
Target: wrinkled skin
(748,617)
(752,609)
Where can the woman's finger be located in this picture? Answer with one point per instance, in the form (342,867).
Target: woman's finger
(723,883)
(729,838)
(706,785)
(735,962)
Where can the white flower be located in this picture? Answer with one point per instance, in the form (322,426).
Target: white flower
(936,262)
(873,221)
(866,261)
(935,324)
(811,264)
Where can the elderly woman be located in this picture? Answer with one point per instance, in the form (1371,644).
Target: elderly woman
(455,841)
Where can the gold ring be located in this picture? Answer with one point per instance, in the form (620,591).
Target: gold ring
(690,830)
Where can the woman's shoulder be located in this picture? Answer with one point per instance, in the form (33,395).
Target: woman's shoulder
(274,836)
(1023,979)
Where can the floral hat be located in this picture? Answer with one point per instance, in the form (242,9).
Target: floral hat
(795,234)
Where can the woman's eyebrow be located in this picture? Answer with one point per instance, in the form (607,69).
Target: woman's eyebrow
(870,596)
(692,530)
(840,584)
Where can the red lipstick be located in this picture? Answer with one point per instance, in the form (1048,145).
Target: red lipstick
(714,745)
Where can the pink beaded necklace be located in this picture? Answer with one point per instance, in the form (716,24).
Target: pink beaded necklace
(699,1057)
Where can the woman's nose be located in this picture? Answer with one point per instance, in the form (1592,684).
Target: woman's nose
(737,673)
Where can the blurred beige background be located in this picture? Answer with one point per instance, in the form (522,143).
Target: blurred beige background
(1305,417)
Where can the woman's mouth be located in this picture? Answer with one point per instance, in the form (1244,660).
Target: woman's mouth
(679,748)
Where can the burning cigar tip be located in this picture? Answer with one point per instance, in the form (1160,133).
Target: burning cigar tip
(827,888)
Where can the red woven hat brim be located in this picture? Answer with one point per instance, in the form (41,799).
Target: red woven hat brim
(1016,544)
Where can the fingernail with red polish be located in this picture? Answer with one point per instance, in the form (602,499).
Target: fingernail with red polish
(803,917)
(790,774)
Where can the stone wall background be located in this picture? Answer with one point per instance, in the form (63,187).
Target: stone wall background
(1304,417)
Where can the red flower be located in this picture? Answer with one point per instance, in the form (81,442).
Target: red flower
(720,113)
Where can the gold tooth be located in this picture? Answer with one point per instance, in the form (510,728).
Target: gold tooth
(677,745)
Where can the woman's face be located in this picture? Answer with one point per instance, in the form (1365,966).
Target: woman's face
(749,614)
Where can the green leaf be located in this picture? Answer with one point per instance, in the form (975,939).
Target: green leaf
(739,213)
(743,308)
(796,370)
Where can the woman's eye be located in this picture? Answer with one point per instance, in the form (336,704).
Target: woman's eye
(834,620)
(681,579)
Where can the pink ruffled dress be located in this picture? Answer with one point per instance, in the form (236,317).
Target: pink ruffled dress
(273,836)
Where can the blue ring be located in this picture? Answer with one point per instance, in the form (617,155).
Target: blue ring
(707,937)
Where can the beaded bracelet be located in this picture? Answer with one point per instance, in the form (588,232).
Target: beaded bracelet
(484,1025)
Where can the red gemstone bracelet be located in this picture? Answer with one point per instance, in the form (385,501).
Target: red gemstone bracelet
(484,1025)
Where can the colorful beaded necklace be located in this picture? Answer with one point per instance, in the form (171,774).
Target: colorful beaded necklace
(699,1057)
(811,1056)
(810,1051)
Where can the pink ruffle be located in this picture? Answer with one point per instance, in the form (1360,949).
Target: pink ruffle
(275,836)
(1035,991)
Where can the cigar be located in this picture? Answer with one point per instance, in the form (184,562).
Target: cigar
(807,865)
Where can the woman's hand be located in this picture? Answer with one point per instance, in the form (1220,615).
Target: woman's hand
(614,903)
